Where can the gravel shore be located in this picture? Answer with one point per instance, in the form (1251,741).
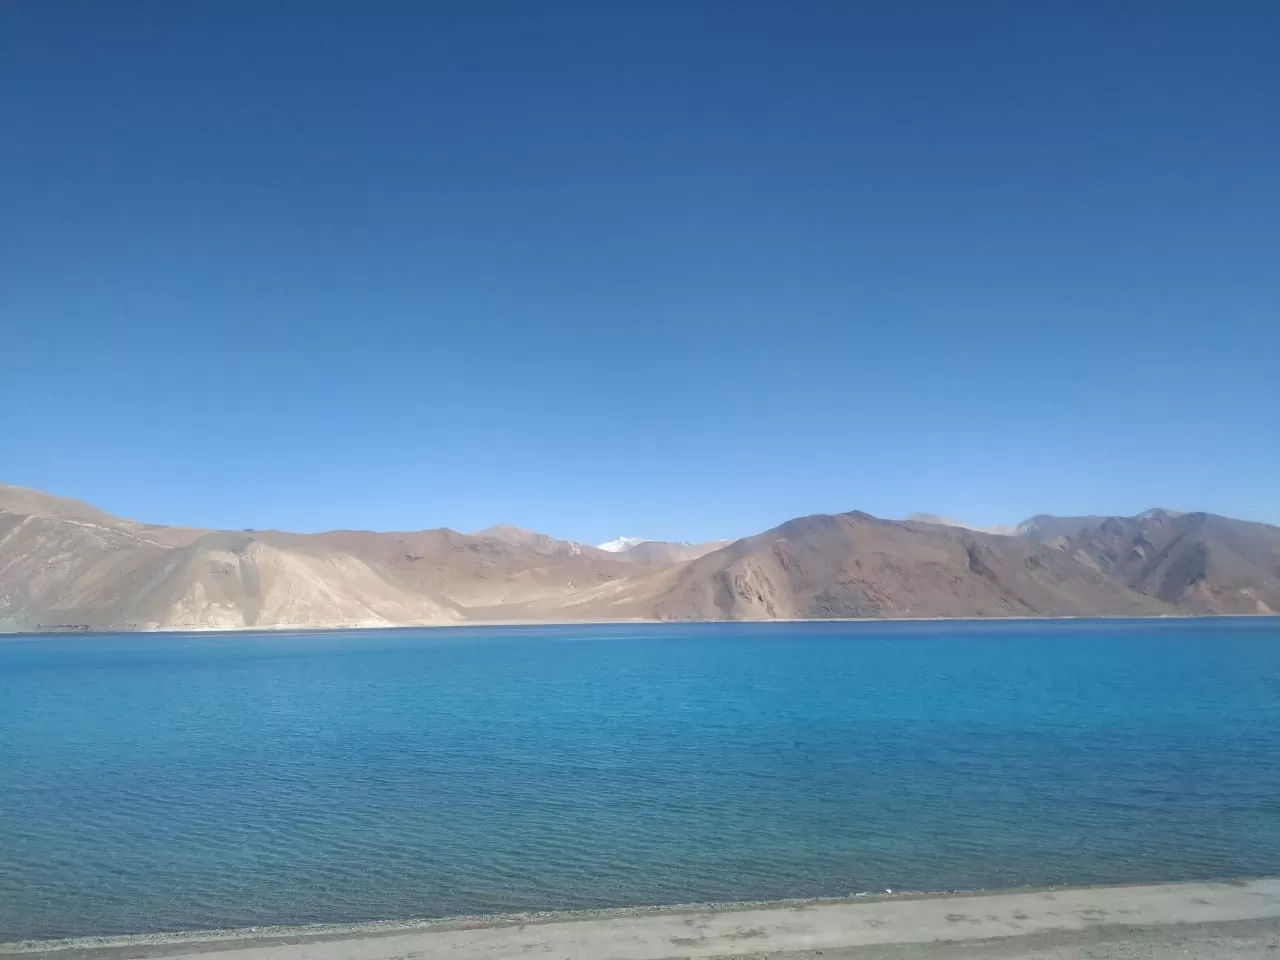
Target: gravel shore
(1237,919)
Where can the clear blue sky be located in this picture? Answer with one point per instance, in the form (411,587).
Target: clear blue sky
(680,270)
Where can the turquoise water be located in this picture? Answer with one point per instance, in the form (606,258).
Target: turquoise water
(175,782)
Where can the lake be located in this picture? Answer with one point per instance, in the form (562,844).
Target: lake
(174,782)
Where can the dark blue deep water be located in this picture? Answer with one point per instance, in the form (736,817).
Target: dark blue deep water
(175,782)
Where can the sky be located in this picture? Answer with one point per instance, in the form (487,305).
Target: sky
(680,270)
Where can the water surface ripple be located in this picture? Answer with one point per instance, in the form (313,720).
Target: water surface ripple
(155,783)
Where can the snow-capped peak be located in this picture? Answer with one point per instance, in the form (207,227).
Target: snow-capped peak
(622,544)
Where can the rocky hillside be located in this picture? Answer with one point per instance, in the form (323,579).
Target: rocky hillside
(665,552)
(1199,562)
(854,565)
(66,565)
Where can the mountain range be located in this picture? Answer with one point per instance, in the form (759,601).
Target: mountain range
(65,565)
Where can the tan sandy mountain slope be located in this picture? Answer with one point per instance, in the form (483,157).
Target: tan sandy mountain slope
(477,571)
(66,568)
(63,564)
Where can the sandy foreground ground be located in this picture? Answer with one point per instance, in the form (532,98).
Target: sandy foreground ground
(1231,919)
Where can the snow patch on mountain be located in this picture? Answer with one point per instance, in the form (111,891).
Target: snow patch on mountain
(622,544)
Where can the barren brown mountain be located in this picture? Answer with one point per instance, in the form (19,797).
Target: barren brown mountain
(665,552)
(1201,562)
(854,565)
(65,565)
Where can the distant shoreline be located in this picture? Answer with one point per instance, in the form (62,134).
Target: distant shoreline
(933,923)
(71,630)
